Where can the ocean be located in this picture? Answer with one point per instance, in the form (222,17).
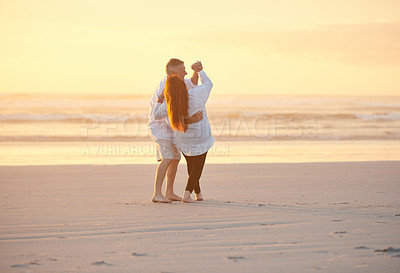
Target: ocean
(78,129)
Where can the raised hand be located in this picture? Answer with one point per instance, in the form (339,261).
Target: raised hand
(197,66)
(200,65)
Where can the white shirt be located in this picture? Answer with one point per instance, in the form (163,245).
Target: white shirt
(197,139)
(160,129)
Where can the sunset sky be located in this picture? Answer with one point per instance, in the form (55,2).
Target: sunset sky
(298,47)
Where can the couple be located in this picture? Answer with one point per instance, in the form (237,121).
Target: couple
(179,124)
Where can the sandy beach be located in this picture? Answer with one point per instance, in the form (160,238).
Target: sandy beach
(294,217)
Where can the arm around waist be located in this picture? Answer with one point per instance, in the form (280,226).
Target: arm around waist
(160,111)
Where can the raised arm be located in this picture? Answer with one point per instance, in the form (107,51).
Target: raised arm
(195,78)
(205,88)
(197,67)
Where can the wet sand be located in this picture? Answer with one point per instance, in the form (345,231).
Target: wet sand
(294,217)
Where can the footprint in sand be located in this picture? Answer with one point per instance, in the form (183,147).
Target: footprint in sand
(393,252)
(235,258)
(18,266)
(339,233)
(362,247)
(139,254)
(101,263)
(34,262)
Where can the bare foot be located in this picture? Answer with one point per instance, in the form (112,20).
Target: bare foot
(159,198)
(199,196)
(186,198)
(173,197)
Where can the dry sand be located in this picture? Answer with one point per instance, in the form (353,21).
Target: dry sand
(323,217)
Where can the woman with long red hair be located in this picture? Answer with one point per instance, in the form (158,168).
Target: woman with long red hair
(195,139)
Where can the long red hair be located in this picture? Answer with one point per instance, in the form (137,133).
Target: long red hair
(177,99)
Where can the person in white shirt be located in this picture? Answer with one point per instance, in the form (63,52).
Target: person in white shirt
(193,140)
(167,154)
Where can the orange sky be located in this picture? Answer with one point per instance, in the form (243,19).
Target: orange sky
(284,47)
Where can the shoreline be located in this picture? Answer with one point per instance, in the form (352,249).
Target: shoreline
(183,162)
(229,152)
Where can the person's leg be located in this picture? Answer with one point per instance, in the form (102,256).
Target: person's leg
(189,165)
(165,155)
(186,196)
(169,154)
(200,161)
(171,173)
(160,174)
(195,168)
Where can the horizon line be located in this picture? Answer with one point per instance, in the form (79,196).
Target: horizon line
(125,94)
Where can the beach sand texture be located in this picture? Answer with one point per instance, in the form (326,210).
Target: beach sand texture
(294,217)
